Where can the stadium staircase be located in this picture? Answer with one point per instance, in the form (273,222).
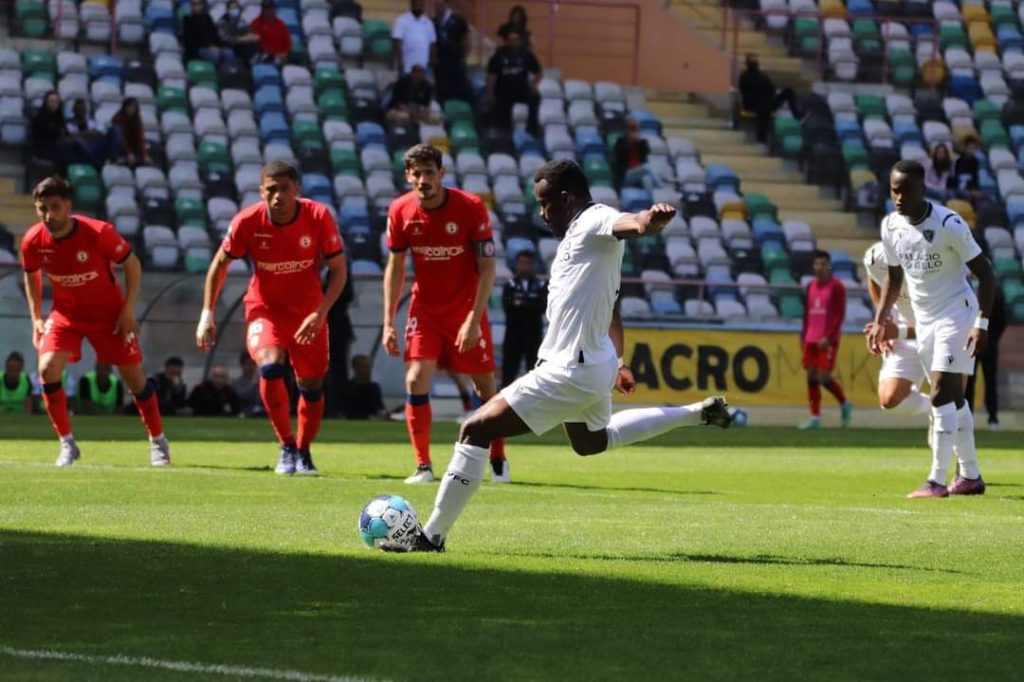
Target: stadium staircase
(776,178)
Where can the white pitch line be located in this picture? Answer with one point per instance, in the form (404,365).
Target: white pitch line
(177,666)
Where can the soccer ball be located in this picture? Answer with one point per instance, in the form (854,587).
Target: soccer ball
(739,416)
(387,521)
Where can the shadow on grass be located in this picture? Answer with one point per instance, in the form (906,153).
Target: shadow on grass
(578,486)
(421,617)
(758,559)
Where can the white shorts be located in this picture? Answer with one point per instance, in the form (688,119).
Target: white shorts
(902,362)
(940,344)
(550,395)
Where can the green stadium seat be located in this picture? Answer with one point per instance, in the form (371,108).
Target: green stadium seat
(455,110)
(306,130)
(902,67)
(190,211)
(758,205)
(464,138)
(952,35)
(598,173)
(332,105)
(1008,268)
(791,306)
(214,157)
(201,72)
(346,162)
(30,17)
(993,134)
(870,106)
(329,79)
(856,156)
(40,63)
(986,110)
(775,258)
(170,98)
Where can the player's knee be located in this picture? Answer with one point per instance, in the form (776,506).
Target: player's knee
(888,401)
(49,372)
(475,431)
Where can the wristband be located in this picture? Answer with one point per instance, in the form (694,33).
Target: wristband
(622,363)
(981,323)
(901,331)
(206,316)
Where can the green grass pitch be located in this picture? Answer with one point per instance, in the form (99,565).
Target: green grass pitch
(765,554)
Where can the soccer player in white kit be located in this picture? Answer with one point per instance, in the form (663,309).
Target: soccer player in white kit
(580,359)
(901,375)
(932,247)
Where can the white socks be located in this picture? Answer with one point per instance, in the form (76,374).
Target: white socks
(915,403)
(463,477)
(965,451)
(631,426)
(70,438)
(944,439)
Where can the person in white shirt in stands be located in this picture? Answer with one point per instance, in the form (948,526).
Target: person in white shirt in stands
(580,358)
(901,375)
(933,248)
(414,39)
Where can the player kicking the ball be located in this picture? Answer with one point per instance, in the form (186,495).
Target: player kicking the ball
(580,359)
(78,254)
(932,248)
(449,234)
(287,239)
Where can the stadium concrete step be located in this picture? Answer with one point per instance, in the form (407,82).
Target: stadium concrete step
(827,222)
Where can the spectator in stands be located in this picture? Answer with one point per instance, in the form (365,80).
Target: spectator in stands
(100,391)
(128,121)
(172,393)
(363,399)
(97,145)
(236,34)
(938,173)
(452,47)
(199,35)
(989,361)
(215,397)
(513,74)
(49,131)
(15,388)
(761,97)
(966,169)
(517,21)
(414,39)
(275,41)
(411,99)
(630,157)
(524,299)
(247,386)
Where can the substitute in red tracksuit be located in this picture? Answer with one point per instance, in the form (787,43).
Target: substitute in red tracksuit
(824,311)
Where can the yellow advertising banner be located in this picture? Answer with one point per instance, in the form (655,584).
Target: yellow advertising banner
(749,367)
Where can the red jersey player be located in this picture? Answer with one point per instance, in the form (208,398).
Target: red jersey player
(449,234)
(287,239)
(824,310)
(77,254)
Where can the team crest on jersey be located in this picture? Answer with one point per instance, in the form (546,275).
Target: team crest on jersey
(305,241)
(929,235)
(82,256)
(451,228)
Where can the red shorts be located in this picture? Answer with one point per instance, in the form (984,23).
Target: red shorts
(63,335)
(820,358)
(308,360)
(432,337)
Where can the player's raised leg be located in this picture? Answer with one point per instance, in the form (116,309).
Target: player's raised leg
(143,392)
(486,387)
(55,399)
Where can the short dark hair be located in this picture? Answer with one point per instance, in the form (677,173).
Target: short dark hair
(279,168)
(15,355)
(564,176)
(526,253)
(174,361)
(818,253)
(53,186)
(910,168)
(424,154)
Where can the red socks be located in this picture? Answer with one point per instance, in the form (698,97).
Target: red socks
(56,401)
(149,410)
(498,450)
(814,397)
(418,417)
(835,389)
(275,399)
(311,413)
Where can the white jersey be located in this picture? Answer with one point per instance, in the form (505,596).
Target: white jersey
(874,264)
(582,289)
(933,254)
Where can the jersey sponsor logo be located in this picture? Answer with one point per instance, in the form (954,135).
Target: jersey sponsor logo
(82,256)
(285,266)
(451,228)
(438,252)
(919,262)
(76,280)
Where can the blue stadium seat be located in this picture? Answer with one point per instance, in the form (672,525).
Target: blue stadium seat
(370,134)
(526,143)
(268,98)
(266,74)
(290,17)
(1015,209)
(767,231)
(646,121)
(1010,39)
(274,128)
(635,199)
(317,187)
(965,87)
(722,178)
(354,213)
(907,131)
(106,67)
(516,245)
(160,19)
(849,130)
(589,142)
(664,305)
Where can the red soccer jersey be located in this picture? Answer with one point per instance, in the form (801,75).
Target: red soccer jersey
(80,267)
(285,258)
(444,246)
(824,310)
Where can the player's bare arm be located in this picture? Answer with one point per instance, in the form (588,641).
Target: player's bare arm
(394,282)
(892,330)
(314,323)
(651,221)
(206,331)
(127,326)
(981,268)
(34,296)
(625,383)
(890,293)
(470,332)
